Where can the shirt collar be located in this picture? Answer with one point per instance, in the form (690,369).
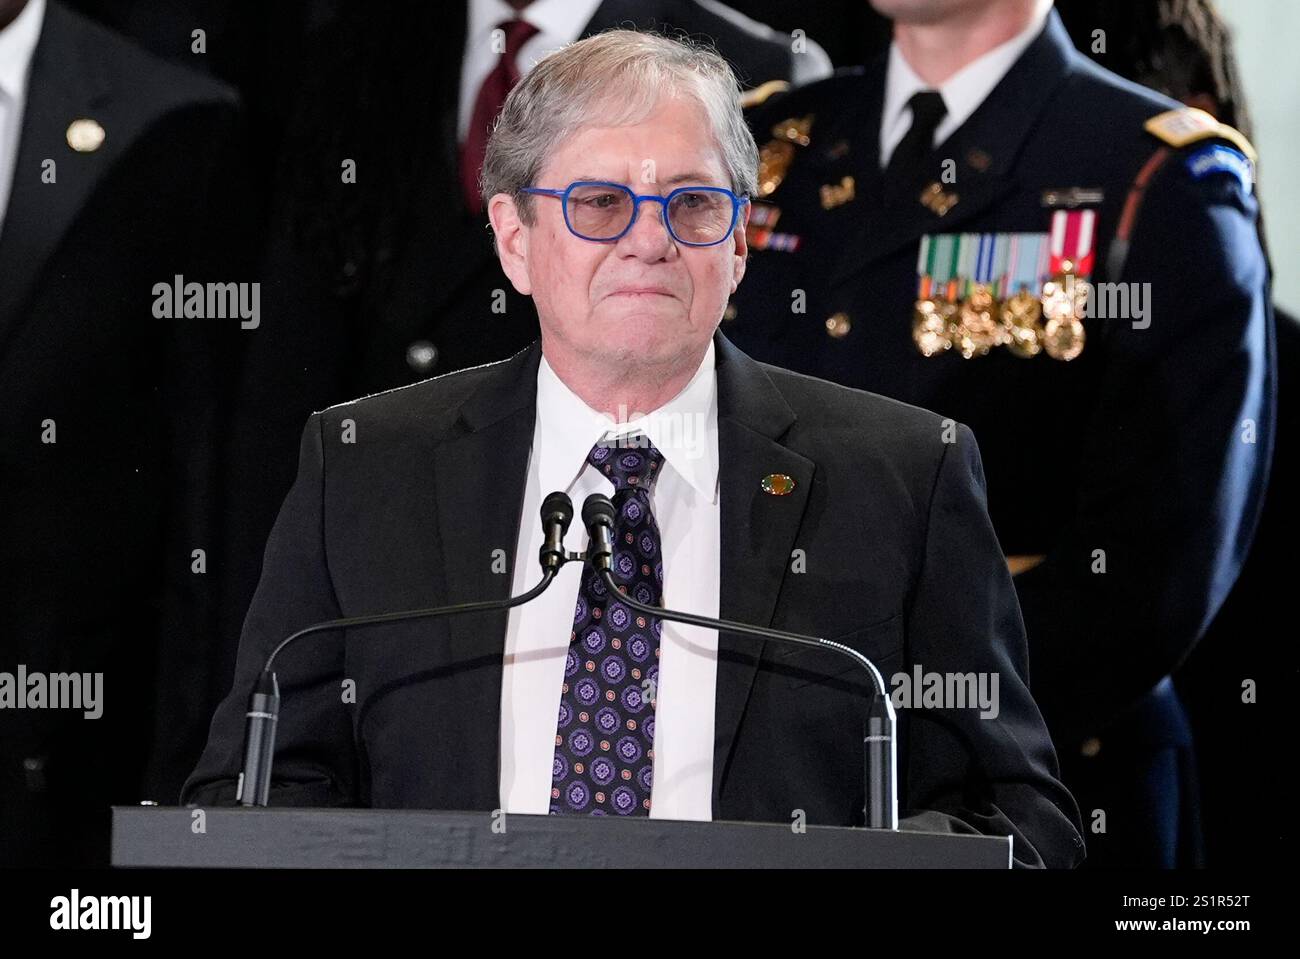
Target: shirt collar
(966,89)
(17,44)
(682,429)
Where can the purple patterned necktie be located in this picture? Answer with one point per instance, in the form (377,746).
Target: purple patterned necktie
(605,733)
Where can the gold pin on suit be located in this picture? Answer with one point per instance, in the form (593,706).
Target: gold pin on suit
(778,484)
(85,135)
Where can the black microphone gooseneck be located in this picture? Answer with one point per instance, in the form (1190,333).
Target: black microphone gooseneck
(880,807)
(254,787)
(598,514)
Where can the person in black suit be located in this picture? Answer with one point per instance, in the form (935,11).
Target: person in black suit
(120,169)
(402,499)
(1127,437)
(391,279)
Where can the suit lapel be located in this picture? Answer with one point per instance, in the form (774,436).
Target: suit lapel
(758,529)
(66,84)
(478,513)
(985,149)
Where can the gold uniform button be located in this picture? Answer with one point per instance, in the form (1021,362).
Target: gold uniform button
(838,325)
(1091,747)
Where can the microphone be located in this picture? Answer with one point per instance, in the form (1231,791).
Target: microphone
(880,807)
(557,514)
(254,788)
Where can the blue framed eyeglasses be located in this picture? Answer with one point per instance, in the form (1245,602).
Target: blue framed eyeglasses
(603,212)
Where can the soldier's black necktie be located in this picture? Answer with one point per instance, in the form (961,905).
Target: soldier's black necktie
(906,169)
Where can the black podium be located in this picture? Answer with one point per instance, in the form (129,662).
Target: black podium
(304,838)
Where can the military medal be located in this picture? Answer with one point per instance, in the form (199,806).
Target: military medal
(1063,304)
(933,313)
(1025,291)
(1022,319)
(930,324)
(1021,311)
(978,329)
(1065,295)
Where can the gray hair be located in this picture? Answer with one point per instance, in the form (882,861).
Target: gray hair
(619,77)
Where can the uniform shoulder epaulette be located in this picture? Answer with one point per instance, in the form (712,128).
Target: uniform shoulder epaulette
(1188,125)
(759,95)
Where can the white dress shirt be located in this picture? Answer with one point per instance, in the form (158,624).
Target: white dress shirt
(17,43)
(685,504)
(558,22)
(962,92)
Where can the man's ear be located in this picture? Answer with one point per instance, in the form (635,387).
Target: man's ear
(741,248)
(511,241)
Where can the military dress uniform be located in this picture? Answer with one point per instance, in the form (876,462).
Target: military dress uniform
(1128,452)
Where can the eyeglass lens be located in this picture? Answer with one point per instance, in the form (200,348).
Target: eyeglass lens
(601,212)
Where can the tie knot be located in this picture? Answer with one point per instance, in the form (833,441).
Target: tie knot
(630,462)
(928,108)
(517,33)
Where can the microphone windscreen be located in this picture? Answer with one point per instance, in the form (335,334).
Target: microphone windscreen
(558,504)
(597,507)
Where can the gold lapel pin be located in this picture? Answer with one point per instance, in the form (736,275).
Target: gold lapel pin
(85,135)
(778,484)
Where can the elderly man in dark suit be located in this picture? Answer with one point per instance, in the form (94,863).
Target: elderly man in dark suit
(617,184)
(391,278)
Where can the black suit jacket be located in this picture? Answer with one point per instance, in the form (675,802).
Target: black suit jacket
(902,564)
(97,528)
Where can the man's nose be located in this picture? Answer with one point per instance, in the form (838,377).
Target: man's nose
(648,237)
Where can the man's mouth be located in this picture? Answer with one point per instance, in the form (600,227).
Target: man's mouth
(640,291)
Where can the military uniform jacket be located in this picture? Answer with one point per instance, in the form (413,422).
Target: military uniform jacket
(1137,468)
